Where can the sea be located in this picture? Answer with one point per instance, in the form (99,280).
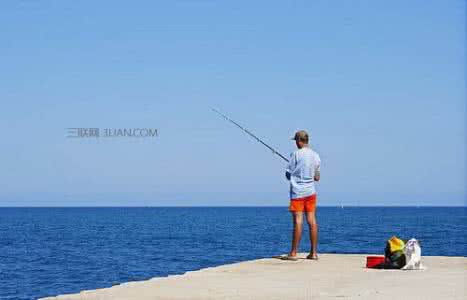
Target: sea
(51,251)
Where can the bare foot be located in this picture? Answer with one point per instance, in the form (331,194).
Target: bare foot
(312,256)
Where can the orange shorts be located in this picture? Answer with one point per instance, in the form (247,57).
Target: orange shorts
(305,204)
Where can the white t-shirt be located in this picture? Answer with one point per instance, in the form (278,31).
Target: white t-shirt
(303,165)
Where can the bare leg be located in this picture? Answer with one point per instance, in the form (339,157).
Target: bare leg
(297,218)
(313,226)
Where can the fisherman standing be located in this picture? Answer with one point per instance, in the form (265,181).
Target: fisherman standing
(303,171)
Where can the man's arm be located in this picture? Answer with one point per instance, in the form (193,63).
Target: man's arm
(290,167)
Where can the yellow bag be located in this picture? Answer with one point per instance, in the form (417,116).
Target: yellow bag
(396,244)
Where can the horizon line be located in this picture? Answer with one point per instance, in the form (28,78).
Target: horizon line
(229,206)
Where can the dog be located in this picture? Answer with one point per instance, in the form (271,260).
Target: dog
(413,255)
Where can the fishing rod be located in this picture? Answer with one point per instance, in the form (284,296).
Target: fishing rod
(251,134)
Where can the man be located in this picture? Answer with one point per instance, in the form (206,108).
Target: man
(302,172)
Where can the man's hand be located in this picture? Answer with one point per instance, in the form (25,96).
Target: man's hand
(317,176)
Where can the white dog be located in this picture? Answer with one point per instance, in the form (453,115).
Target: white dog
(413,256)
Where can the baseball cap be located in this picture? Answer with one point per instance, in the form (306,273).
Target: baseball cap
(301,135)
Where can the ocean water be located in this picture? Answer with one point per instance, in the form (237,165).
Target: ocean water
(50,251)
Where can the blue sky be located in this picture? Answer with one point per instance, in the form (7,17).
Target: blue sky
(380,85)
